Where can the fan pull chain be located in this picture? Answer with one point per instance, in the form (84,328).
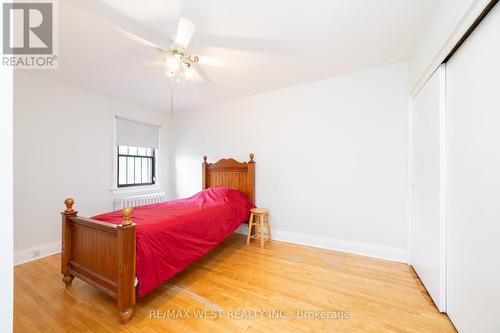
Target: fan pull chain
(172,96)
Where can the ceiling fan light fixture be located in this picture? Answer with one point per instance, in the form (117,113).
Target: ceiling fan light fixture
(173,63)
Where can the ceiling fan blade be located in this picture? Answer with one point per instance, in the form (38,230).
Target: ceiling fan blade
(210,61)
(154,64)
(185,31)
(138,39)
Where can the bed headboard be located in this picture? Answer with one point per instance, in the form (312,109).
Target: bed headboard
(230,173)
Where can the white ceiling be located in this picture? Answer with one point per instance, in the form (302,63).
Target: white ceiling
(264,44)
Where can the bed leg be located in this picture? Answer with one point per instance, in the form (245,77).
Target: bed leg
(68,279)
(126,315)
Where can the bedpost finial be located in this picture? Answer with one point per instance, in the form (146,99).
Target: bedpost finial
(127,214)
(69,205)
(205,159)
(251,157)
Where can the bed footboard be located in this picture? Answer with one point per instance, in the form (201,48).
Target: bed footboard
(101,254)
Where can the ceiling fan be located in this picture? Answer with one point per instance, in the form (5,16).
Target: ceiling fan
(177,62)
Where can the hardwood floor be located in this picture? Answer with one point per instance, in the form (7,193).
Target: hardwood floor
(373,295)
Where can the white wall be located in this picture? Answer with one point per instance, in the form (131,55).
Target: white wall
(6,179)
(473,209)
(332,157)
(63,146)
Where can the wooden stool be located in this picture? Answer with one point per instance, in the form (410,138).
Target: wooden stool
(258,218)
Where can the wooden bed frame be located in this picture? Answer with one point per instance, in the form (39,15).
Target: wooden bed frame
(103,254)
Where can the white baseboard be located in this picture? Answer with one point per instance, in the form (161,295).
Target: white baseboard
(37,252)
(364,249)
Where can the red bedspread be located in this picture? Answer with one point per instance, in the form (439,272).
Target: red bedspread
(171,235)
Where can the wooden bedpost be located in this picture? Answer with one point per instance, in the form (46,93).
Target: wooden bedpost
(251,178)
(204,173)
(66,240)
(126,266)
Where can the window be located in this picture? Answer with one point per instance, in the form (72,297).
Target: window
(136,166)
(136,144)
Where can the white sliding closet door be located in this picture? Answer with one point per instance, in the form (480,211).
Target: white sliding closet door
(427,254)
(473,196)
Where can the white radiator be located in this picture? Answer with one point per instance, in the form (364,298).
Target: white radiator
(139,200)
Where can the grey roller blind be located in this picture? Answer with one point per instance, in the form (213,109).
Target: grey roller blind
(136,134)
